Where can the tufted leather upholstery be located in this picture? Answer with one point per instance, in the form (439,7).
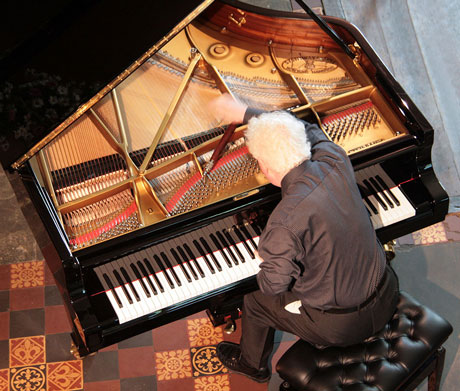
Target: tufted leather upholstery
(383,362)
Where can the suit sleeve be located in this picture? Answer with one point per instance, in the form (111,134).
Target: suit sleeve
(279,248)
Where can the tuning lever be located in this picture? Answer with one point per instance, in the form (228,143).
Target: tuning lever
(217,154)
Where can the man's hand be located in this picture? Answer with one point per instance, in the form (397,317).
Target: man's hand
(227,109)
(256,254)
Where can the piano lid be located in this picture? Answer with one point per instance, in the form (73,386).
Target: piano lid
(57,55)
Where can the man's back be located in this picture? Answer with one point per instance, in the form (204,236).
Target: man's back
(322,224)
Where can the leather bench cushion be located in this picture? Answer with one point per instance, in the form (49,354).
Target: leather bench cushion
(382,362)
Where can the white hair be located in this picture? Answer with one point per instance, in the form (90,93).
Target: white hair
(279,140)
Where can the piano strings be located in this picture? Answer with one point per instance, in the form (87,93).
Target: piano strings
(102,220)
(352,121)
(232,168)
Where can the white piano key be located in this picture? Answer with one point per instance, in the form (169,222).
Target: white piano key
(127,309)
(228,273)
(248,259)
(200,284)
(153,302)
(128,276)
(137,305)
(211,280)
(169,293)
(390,215)
(159,297)
(119,311)
(141,283)
(240,272)
(187,286)
(218,273)
(190,283)
(246,268)
(400,212)
(146,302)
(110,293)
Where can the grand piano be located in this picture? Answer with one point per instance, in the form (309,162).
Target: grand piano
(105,123)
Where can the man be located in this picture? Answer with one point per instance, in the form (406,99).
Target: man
(323,275)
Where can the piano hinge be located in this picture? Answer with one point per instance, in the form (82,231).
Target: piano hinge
(357,51)
(239,20)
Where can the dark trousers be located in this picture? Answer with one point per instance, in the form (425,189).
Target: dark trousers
(263,314)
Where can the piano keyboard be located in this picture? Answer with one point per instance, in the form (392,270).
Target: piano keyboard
(218,255)
(180,269)
(384,201)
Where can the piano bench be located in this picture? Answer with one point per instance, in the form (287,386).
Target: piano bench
(399,357)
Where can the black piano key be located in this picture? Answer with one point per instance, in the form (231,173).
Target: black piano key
(169,263)
(122,285)
(112,289)
(204,256)
(180,263)
(228,236)
(100,270)
(206,246)
(191,251)
(128,275)
(368,212)
(153,274)
(188,264)
(139,277)
(220,228)
(254,233)
(371,205)
(245,232)
(226,245)
(125,275)
(380,190)
(186,260)
(193,257)
(220,247)
(374,193)
(364,196)
(144,272)
(159,262)
(242,239)
(387,188)
(256,228)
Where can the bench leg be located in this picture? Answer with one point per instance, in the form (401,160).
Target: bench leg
(434,380)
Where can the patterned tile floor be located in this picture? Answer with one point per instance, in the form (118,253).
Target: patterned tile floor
(35,340)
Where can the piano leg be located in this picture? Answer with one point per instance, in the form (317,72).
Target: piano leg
(389,248)
(230,326)
(228,318)
(226,314)
(78,350)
